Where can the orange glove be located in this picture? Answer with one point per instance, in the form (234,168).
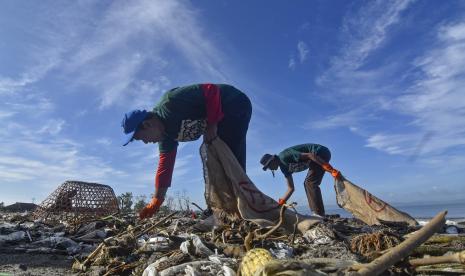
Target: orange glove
(281,202)
(151,208)
(335,173)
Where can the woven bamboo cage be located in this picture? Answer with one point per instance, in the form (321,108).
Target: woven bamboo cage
(75,201)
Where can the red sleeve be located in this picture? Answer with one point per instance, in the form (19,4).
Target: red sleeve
(212,96)
(165,169)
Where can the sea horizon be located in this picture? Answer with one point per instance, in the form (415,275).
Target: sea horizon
(419,210)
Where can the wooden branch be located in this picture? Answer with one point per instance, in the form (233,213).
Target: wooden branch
(195,204)
(433,250)
(276,227)
(458,258)
(403,249)
(156,224)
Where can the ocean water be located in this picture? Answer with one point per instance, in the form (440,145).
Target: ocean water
(419,211)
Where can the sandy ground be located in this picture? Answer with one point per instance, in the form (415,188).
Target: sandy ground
(34,264)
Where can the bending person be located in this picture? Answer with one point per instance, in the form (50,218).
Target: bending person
(184,114)
(299,158)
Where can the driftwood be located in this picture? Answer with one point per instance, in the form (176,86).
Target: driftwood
(454,258)
(403,249)
(433,250)
(255,235)
(441,269)
(445,239)
(156,224)
(120,268)
(439,245)
(274,228)
(78,266)
(330,264)
(198,207)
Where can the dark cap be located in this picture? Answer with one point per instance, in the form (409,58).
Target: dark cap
(131,122)
(266,160)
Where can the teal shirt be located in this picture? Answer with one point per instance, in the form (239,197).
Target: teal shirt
(183,112)
(290,157)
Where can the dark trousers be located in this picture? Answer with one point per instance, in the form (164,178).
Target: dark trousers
(233,128)
(312,183)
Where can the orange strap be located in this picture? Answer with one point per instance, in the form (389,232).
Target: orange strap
(281,201)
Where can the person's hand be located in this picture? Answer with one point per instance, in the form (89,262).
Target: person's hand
(281,202)
(151,208)
(210,133)
(335,173)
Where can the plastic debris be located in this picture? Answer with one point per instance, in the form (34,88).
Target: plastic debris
(319,235)
(161,244)
(194,246)
(150,270)
(172,244)
(282,251)
(452,229)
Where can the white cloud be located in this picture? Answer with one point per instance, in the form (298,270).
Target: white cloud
(5,114)
(352,119)
(47,61)
(425,118)
(36,154)
(455,32)
(52,127)
(137,34)
(302,53)
(363,33)
(359,95)
(104,141)
(150,90)
(393,144)
(436,100)
(125,53)
(29,103)
(291,63)
(182,172)
(50,163)
(432,106)
(109,52)
(302,49)
(367,30)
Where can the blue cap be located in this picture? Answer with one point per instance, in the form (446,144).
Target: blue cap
(131,123)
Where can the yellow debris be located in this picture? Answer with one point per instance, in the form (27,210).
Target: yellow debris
(253,260)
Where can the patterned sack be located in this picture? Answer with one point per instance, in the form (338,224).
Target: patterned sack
(191,130)
(366,206)
(228,188)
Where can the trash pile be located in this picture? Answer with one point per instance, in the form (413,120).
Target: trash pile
(178,244)
(247,233)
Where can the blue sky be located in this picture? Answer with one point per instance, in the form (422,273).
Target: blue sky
(381,83)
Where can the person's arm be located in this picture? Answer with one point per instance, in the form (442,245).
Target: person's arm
(162,183)
(164,173)
(290,190)
(214,110)
(325,165)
